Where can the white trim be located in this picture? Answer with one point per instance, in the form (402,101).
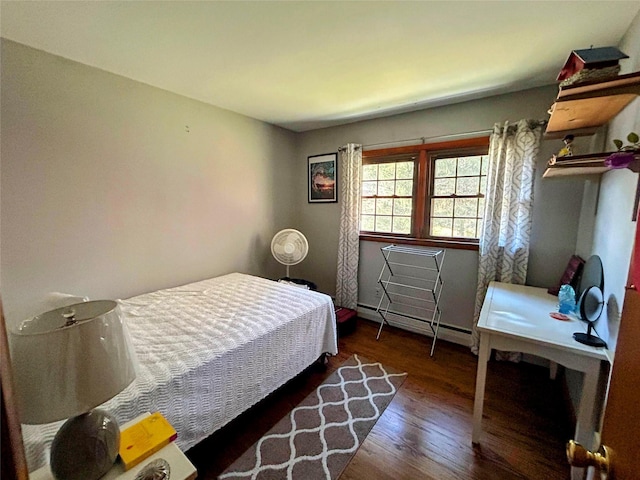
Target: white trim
(453,336)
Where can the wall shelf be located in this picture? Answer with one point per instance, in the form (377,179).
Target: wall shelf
(581,109)
(592,164)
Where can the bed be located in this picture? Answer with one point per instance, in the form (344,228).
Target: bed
(209,350)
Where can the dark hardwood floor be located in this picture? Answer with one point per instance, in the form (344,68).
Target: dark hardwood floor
(425,433)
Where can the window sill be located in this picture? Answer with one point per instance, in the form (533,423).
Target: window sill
(425,242)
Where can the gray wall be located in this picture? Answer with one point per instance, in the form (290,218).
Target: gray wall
(556,204)
(111,188)
(105,193)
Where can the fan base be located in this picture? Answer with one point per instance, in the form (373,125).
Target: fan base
(590,340)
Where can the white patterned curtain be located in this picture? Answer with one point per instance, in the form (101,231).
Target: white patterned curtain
(349,169)
(504,241)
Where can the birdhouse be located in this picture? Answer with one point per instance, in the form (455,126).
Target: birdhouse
(591,64)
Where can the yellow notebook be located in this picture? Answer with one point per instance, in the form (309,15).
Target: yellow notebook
(145,438)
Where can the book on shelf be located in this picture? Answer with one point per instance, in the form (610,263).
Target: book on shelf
(144,438)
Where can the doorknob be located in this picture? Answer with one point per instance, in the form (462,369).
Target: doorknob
(578,456)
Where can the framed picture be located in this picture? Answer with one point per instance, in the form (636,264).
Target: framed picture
(322,177)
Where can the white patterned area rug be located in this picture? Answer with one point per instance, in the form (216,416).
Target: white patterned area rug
(319,437)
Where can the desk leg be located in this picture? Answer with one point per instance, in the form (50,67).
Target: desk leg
(585,423)
(481,375)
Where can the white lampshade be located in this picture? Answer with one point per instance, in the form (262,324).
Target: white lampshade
(70,360)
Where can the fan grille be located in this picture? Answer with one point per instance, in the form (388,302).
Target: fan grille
(289,246)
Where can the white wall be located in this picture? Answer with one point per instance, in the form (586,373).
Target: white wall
(606,228)
(111,188)
(556,204)
(614,229)
(608,209)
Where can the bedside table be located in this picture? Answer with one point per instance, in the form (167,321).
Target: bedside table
(181,467)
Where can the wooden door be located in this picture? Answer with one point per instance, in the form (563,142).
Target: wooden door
(14,464)
(621,425)
(621,421)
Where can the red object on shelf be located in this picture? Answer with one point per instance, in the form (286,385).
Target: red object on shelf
(346,320)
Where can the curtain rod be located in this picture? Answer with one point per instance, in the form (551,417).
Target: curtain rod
(424,139)
(437,137)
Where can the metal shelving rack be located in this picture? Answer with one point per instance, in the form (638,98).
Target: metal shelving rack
(412,284)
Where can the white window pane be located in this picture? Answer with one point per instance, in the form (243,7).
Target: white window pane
(444,186)
(402,206)
(441,227)
(404,188)
(402,225)
(367,223)
(466,207)
(369,189)
(464,227)
(384,206)
(404,170)
(368,206)
(369,172)
(385,189)
(468,186)
(445,167)
(383,224)
(468,166)
(442,207)
(386,171)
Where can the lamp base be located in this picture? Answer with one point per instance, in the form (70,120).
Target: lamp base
(588,339)
(85,447)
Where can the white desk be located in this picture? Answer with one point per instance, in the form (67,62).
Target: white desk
(516,318)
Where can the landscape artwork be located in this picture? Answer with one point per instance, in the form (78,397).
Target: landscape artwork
(322,178)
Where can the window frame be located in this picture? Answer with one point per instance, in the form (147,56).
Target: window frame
(394,159)
(425,156)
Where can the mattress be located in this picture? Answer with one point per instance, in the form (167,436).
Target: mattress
(207,351)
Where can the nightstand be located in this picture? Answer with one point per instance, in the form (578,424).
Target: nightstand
(181,467)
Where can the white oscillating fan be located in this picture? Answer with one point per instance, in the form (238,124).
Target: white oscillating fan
(289,247)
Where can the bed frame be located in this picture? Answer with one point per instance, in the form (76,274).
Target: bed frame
(208,351)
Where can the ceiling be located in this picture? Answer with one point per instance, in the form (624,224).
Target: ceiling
(310,64)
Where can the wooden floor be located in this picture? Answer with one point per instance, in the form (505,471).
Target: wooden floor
(425,433)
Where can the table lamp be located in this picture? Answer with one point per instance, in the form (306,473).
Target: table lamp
(67,362)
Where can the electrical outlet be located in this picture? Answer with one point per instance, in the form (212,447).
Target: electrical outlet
(378,292)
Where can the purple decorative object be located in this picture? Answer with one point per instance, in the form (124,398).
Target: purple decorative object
(619,160)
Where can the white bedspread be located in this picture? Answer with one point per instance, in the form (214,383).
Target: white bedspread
(210,350)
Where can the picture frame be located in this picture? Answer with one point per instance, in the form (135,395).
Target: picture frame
(322,178)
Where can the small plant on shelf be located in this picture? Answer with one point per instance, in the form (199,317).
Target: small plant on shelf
(625,154)
(634,143)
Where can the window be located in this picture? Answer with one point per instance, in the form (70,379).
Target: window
(457,196)
(387,196)
(425,192)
